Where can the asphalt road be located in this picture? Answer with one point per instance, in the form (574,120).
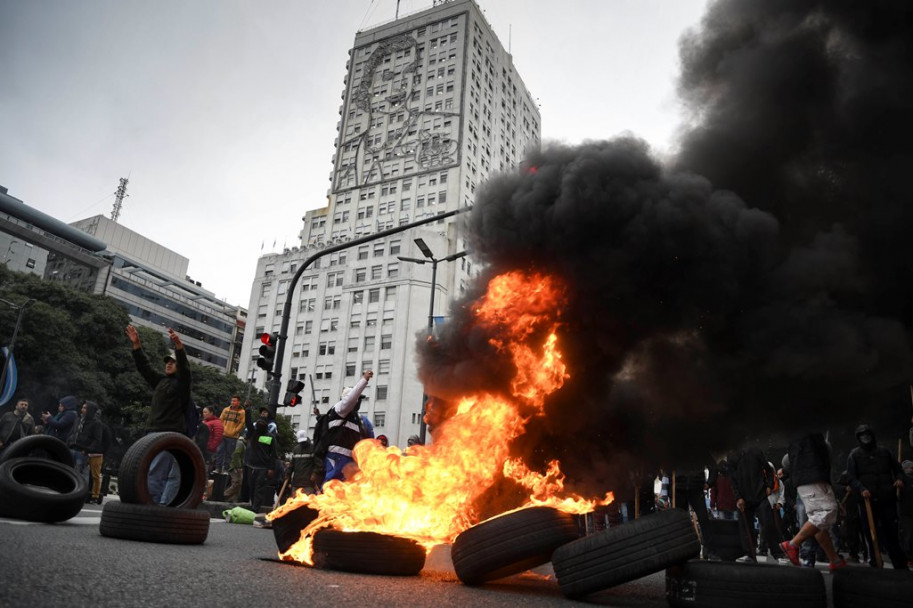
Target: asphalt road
(71,564)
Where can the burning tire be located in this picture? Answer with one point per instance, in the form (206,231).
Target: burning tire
(287,529)
(628,552)
(154,524)
(367,553)
(37,489)
(699,584)
(39,446)
(133,476)
(864,587)
(511,543)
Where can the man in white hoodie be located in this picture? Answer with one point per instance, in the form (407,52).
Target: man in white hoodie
(343,430)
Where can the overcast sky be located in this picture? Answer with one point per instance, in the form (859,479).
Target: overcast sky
(223,112)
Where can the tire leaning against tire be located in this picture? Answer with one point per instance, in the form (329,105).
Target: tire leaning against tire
(24,485)
(133,476)
(367,553)
(154,524)
(39,446)
(511,543)
(864,587)
(699,584)
(625,553)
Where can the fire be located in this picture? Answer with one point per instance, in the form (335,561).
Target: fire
(428,492)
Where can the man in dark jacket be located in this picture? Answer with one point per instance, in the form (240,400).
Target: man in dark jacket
(752,483)
(874,474)
(262,463)
(810,470)
(170,400)
(305,467)
(62,424)
(87,448)
(16,424)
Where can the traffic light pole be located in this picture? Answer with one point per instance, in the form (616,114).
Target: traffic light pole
(276,383)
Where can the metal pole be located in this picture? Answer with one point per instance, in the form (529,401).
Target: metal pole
(433,286)
(275,385)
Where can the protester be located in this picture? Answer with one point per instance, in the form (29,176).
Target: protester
(215,435)
(752,483)
(690,486)
(87,448)
(233,420)
(383,440)
(262,457)
(810,469)
(62,424)
(16,424)
(167,411)
(875,474)
(906,511)
(343,430)
(236,471)
(304,468)
(722,498)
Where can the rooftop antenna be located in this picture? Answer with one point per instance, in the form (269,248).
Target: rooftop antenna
(120,195)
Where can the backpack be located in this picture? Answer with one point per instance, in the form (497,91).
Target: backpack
(192,419)
(320,432)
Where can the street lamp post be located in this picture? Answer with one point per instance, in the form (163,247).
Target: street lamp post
(429,257)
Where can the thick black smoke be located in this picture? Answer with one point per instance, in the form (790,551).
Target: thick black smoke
(759,282)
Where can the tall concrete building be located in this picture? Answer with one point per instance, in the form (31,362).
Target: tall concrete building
(432,106)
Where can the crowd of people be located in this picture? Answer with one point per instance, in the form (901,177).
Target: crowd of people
(795,512)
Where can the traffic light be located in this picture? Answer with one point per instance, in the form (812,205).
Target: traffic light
(292,398)
(268,351)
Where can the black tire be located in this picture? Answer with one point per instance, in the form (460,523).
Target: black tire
(511,543)
(154,524)
(287,529)
(132,479)
(864,587)
(39,446)
(367,553)
(699,584)
(625,553)
(37,489)
(725,539)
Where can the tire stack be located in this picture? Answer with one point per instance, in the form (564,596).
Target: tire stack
(38,481)
(137,517)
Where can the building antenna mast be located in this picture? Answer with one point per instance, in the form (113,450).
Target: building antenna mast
(120,195)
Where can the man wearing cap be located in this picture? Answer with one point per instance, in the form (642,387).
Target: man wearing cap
(170,400)
(303,472)
(343,430)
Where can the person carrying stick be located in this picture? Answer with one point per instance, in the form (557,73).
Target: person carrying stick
(874,474)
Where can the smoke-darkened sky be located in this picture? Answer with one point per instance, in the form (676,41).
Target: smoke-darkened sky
(756,283)
(223,114)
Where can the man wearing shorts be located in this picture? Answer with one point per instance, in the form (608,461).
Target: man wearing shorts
(809,468)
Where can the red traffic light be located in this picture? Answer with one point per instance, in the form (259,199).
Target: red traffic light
(268,339)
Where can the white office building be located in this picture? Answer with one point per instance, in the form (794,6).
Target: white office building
(432,106)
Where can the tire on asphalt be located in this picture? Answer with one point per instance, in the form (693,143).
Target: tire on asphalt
(367,553)
(133,476)
(39,446)
(511,543)
(698,584)
(287,529)
(37,489)
(154,524)
(864,587)
(625,553)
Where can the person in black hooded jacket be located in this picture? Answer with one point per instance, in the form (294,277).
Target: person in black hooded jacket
(875,474)
(87,447)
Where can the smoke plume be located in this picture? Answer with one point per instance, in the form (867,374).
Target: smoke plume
(757,282)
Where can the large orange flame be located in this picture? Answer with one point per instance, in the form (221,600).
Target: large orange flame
(428,492)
